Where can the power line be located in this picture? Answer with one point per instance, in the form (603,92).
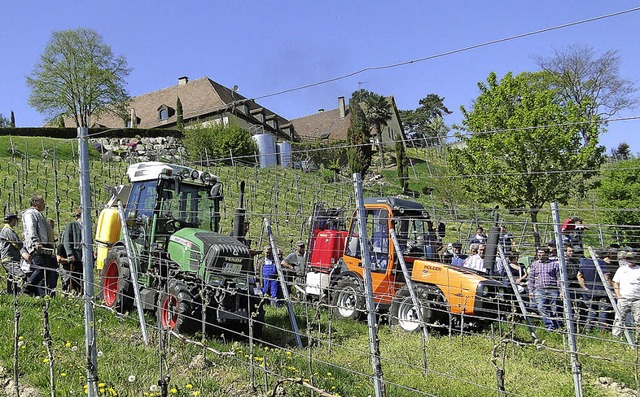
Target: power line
(447,53)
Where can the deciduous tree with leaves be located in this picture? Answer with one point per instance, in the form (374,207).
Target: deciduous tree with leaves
(524,145)
(78,76)
(618,192)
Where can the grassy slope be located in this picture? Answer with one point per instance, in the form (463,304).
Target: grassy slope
(285,197)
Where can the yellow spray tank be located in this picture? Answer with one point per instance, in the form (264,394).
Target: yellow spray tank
(107,233)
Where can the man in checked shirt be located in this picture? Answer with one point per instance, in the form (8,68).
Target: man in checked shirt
(544,276)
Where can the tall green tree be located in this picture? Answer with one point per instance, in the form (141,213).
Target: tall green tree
(402,164)
(358,136)
(591,81)
(179,114)
(524,145)
(78,76)
(12,120)
(425,126)
(618,192)
(377,110)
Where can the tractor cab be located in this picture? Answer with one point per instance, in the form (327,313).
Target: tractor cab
(416,236)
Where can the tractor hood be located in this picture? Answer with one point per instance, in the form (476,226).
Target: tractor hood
(191,248)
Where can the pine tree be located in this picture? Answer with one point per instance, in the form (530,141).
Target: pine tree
(358,136)
(179,115)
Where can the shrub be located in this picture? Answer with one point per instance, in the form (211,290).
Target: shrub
(218,142)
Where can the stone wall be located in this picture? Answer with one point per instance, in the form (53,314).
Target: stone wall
(137,149)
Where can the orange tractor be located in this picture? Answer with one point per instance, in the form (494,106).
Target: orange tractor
(445,292)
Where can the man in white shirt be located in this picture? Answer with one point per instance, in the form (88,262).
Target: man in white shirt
(626,283)
(476,261)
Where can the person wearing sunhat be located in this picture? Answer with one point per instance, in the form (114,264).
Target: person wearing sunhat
(10,246)
(626,284)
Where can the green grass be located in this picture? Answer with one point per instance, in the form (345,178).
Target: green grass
(456,366)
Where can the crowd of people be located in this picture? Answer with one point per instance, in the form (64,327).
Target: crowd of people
(540,282)
(35,262)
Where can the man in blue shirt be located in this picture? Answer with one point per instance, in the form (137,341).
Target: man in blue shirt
(594,295)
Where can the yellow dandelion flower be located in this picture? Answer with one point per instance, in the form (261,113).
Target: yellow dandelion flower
(63,374)
(174,390)
(189,386)
(101,385)
(68,344)
(20,337)
(46,361)
(328,373)
(196,393)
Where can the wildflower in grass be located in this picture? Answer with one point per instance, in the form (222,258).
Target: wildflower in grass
(196,393)
(46,361)
(132,378)
(63,374)
(101,385)
(74,349)
(21,343)
(100,353)
(20,337)
(328,373)
(189,386)
(112,392)
(174,390)
(154,388)
(68,344)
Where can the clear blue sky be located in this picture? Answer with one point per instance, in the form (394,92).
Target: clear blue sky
(269,46)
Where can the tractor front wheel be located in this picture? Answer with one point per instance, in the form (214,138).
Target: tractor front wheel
(405,314)
(177,309)
(348,299)
(117,288)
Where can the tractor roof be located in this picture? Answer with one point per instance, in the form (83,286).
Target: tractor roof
(395,203)
(151,170)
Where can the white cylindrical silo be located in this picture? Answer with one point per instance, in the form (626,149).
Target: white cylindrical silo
(284,154)
(266,150)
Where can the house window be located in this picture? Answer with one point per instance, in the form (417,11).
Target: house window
(163,114)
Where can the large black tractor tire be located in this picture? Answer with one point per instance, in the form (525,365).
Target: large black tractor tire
(115,281)
(434,310)
(405,314)
(348,299)
(177,309)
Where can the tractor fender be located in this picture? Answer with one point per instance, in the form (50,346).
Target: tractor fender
(358,279)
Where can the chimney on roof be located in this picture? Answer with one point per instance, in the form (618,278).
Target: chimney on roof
(183,80)
(320,110)
(341,107)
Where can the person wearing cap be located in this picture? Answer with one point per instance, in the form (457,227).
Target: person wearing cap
(456,258)
(295,262)
(626,284)
(10,246)
(71,268)
(38,242)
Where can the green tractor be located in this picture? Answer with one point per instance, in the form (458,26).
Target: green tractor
(191,276)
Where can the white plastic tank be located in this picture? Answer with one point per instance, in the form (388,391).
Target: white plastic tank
(266,150)
(284,154)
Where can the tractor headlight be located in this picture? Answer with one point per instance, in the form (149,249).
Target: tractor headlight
(501,294)
(184,174)
(485,291)
(205,177)
(194,174)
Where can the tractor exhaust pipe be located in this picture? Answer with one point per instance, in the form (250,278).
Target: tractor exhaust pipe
(239,216)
